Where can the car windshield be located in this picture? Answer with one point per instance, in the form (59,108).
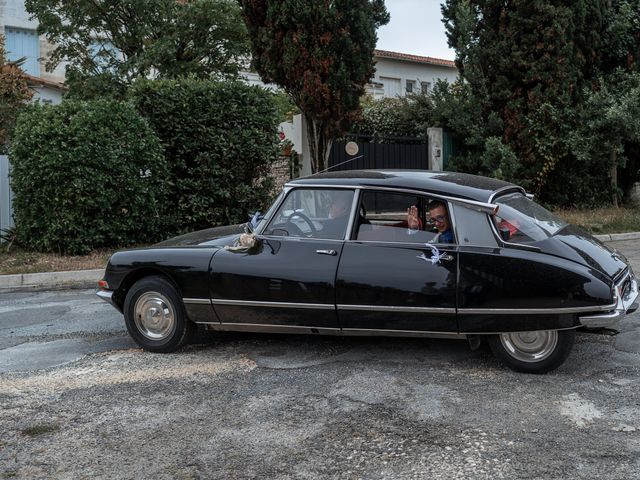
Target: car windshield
(521,220)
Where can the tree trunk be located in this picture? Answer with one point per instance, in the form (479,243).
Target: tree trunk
(319,144)
(613,176)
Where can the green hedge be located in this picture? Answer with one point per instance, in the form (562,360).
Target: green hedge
(87,175)
(220,139)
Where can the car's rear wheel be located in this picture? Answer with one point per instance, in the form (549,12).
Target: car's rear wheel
(533,352)
(155,316)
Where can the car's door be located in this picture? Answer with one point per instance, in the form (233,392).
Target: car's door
(386,279)
(289,279)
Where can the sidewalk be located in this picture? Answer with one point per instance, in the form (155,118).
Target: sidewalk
(89,278)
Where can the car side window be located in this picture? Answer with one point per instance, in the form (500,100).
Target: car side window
(313,213)
(473,228)
(396,217)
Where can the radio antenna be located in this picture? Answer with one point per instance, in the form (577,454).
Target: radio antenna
(337,165)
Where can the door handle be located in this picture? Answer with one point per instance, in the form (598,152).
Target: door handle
(446,257)
(326,252)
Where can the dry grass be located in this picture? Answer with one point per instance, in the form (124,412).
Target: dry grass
(20,261)
(604,220)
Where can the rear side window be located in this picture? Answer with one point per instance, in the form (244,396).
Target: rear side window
(473,227)
(521,220)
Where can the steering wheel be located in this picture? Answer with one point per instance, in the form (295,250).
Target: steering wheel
(306,219)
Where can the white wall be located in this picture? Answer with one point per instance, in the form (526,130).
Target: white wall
(13,14)
(391,71)
(48,95)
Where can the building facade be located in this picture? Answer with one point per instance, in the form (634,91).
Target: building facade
(398,74)
(22,41)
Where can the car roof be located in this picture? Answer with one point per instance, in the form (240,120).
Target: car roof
(452,184)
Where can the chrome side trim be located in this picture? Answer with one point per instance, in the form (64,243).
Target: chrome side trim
(269,328)
(393,308)
(252,303)
(364,332)
(197,301)
(533,311)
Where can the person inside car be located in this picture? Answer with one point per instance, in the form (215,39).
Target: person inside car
(335,226)
(440,219)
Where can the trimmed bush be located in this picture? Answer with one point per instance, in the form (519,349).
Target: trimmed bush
(220,139)
(86,175)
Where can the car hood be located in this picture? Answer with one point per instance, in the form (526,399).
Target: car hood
(217,236)
(575,244)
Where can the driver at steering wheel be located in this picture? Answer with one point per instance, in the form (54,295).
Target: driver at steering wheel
(336,225)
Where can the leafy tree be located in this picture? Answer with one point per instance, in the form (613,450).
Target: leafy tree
(527,65)
(321,54)
(14,94)
(87,175)
(388,117)
(219,140)
(117,41)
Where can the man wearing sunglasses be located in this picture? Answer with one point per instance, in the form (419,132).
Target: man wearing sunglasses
(438,216)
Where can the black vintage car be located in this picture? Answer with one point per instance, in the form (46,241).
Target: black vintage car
(378,252)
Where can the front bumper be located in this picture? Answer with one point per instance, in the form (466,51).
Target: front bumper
(106,295)
(627,303)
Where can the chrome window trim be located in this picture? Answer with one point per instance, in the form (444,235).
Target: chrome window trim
(274,208)
(486,207)
(300,239)
(420,244)
(394,308)
(290,187)
(503,243)
(454,224)
(502,190)
(352,215)
(255,303)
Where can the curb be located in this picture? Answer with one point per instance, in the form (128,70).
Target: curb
(89,278)
(615,237)
(76,279)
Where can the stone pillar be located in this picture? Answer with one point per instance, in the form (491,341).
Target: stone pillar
(435,149)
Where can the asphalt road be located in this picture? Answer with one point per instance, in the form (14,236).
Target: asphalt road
(79,400)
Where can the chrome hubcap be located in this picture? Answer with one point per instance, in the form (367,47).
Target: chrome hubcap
(154,316)
(530,346)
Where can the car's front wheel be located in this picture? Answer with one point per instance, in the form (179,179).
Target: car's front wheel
(533,352)
(155,317)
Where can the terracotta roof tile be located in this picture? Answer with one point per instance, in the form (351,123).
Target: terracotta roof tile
(37,81)
(414,58)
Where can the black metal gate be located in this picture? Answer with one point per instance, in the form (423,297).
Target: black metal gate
(381,152)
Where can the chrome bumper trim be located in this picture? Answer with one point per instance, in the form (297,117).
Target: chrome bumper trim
(105,295)
(626,304)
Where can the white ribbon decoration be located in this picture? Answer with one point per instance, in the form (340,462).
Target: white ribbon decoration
(436,256)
